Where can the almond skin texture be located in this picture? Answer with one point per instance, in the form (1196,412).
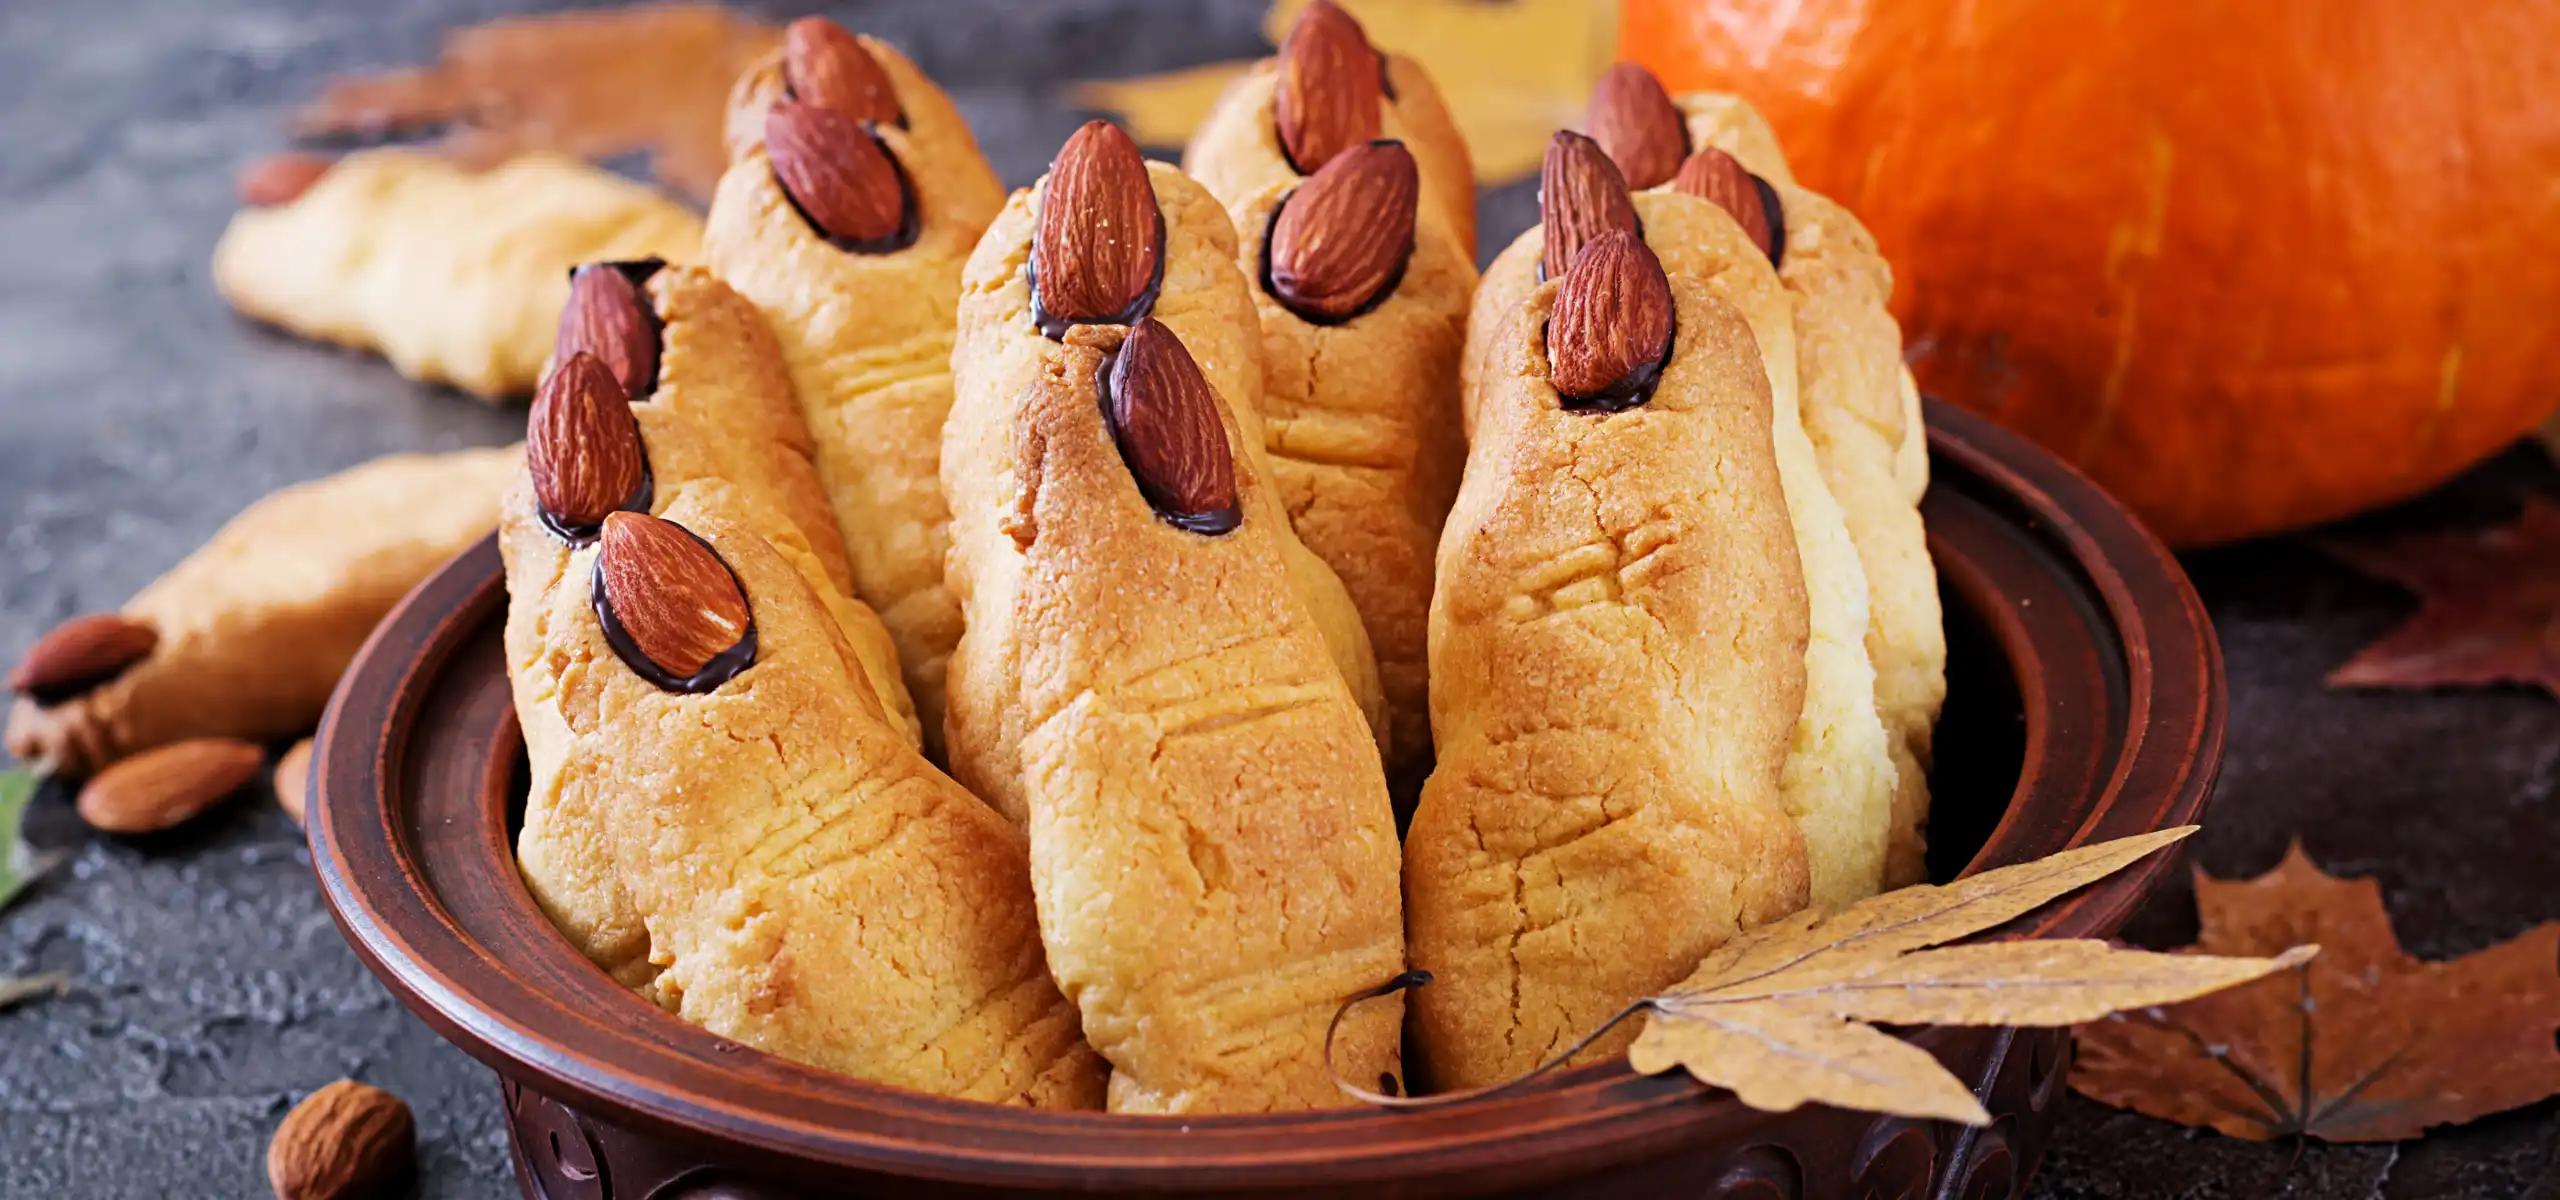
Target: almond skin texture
(1166,420)
(581,446)
(837,173)
(1635,121)
(293,781)
(80,654)
(1341,240)
(674,597)
(1099,245)
(1712,174)
(1331,89)
(828,67)
(280,178)
(342,1142)
(1580,196)
(162,787)
(610,317)
(1611,328)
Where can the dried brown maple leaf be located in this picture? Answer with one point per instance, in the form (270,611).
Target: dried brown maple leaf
(1784,1015)
(591,84)
(2488,606)
(2362,1044)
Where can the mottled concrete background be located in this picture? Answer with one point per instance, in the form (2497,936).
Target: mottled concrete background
(136,413)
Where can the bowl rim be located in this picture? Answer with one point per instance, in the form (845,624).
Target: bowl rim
(2168,750)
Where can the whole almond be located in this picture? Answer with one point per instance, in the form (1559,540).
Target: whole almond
(280,178)
(1099,246)
(1715,175)
(1635,121)
(1342,238)
(837,172)
(164,786)
(581,446)
(1167,422)
(342,1142)
(293,780)
(1611,327)
(830,68)
(1580,196)
(610,317)
(79,655)
(673,597)
(1330,91)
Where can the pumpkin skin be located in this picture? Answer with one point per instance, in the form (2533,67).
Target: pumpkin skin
(2252,266)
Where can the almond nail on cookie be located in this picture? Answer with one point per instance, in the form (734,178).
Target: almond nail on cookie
(1326,91)
(1618,662)
(1840,777)
(1211,839)
(247,636)
(1105,238)
(853,196)
(455,276)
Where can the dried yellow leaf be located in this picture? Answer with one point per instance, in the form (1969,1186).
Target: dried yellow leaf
(1778,1016)
(1511,71)
(1161,110)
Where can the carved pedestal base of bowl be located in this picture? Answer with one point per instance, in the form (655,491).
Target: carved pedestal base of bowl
(2084,703)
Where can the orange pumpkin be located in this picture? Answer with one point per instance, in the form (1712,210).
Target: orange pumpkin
(2252,265)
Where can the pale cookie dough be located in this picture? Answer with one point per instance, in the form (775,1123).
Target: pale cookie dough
(1211,839)
(456,277)
(867,339)
(1361,421)
(1849,363)
(999,356)
(807,883)
(256,627)
(1236,152)
(1840,778)
(1618,660)
(1863,413)
(1729,123)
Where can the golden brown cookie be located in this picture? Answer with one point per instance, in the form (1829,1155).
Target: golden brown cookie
(865,323)
(250,632)
(1363,315)
(1001,351)
(1211,839)
(1618,661)
(456,277)
(715,410)
(1238,154)
(1840,778)
(806,882)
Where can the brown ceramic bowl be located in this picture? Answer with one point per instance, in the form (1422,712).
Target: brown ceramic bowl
(2085,702)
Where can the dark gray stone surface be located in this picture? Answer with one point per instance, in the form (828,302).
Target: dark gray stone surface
(136,413)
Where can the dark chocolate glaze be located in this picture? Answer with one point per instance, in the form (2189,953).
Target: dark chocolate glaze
(1394,279)
(641,497)
(723,666)
(910,213)
(1055,327)
(1777,219)
(1213,522)
(1632,391)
